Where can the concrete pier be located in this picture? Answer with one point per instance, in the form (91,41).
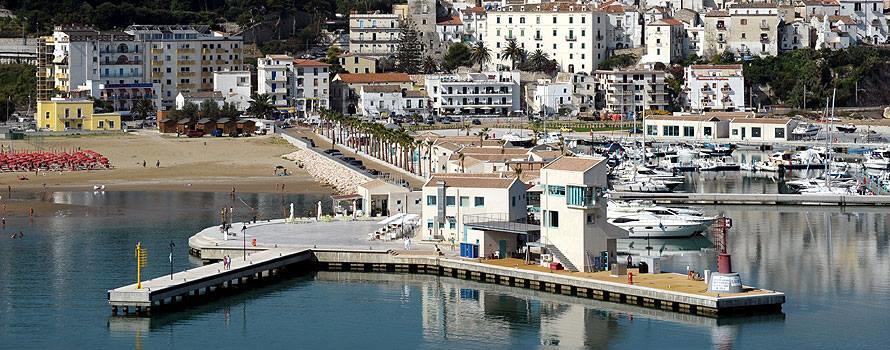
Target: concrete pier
(203,282)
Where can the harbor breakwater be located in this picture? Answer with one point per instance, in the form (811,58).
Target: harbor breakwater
(342,177)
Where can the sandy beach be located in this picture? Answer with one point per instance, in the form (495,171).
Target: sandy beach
(208,164)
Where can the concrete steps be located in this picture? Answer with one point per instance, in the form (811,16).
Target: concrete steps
(561,257)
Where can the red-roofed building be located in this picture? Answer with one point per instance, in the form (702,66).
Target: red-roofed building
(664,41)
(450,29)
(299,86)
(346,88)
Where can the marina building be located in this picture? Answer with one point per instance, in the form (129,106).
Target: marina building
(69,114)
(573,225)
(687,127)
(761,129)
(572,34)
(453,200)
(632,90)
(715,87)
(486,94)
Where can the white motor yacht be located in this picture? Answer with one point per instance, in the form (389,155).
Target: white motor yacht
(879,160)
(806,130)
(645,224)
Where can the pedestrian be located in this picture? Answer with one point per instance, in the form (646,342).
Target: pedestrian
(405,242)
(438,251)
(452,243)
(143,163)
(409,243)
(158,163)
(630,261)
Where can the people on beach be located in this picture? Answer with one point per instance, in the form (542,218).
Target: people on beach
(21,234)
(143,163)
(158,163)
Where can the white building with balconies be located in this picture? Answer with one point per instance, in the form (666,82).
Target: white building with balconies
(273,78)
(487,94)
(715,87)
(630,91)
(234,86)
(374,34)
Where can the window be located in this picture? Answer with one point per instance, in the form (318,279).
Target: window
(688,131)
(744,21)
(735,132)
(755,132)
(452,222)
(556,190)
(780,133)
(449,201)
(552,218)
(464,201)
(670,130)
(651,130)
(430,200)
(707,131)
(581,196)
(479,201)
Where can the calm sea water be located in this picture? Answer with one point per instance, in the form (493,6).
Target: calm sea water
(833,264)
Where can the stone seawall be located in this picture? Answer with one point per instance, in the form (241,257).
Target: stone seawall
(328,171)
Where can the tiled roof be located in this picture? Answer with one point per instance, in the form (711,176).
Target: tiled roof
(471,180)
(716,13)
(475,9)
(382,89)
(309,63)
(693,118)
(843,19)
(414,93)
(716,66)
(754,5)
(494,150)
(368,78)
(573,163)
(667,22)
(451,21)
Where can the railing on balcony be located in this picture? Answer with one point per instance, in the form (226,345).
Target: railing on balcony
(185,49)
(571,38)
(185,74)
(502,222)
(539,38)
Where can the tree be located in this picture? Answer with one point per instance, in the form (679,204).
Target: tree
(409,53)
(429,65)
(261,106)
(618,61)
(143,108)
(458,54)
(480,55)
(513,52)
(333,58)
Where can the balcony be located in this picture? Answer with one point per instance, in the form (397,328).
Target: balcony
(157,75)
(571,38)
(721,26)
(186,62)
(764,39)
(502,222)
(185,74)
(236,50)
(764,26)
(157,63)
(185,50)
(221,62)
(221,50)
(185,86)
(157,50)
(539,38)
(61,76)
(206,51)
(721,40)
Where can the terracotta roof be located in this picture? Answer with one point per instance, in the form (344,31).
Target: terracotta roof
(451,21)
(547,154)
(392,89)
(573,163)
(488,157)
(471,180)
(494,150)
(754,5)
(370,78)
(692,118)
(761,121)
(309,63)
(613,8)
(716,13)
(475,9)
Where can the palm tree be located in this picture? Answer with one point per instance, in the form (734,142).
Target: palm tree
(429,156)
(483,134)
(480,54)
(538,60)
(461,156)
(466,127)
(142,108)
(261,106)
(512,52)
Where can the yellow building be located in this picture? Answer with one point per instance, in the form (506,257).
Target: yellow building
(61,115)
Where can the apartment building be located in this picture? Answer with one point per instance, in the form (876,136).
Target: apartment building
(573,225)
(870,22)
(354,63)
(625,28)
(374,34)
(572,34)
(235,87)
(715,87)
(665,41)
(627,91)
(182,58)
(795,34)
(311,86)
(474,22)
(486,94)
(346,88)
(550,96)
(273,78)
(746,30)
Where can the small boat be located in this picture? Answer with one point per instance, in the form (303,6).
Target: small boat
(846,128)
(717,150)
(803,130)
(878,160)
(764,165)
(719,164)
(647,186)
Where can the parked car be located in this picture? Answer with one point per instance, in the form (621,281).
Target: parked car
(347,159)
(476,122)
(331,151)
(374,172)
(356,162)
(195,133)
(430,121)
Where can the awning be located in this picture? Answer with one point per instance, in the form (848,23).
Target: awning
(346,197)
(287,109)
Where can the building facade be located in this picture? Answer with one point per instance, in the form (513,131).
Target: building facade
(235,87)
(68,114)
(715,87)
(572,34)
(375,34)
(630,91)
(484,94)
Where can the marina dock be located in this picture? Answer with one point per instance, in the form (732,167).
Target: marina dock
(754,198)
(203,281)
